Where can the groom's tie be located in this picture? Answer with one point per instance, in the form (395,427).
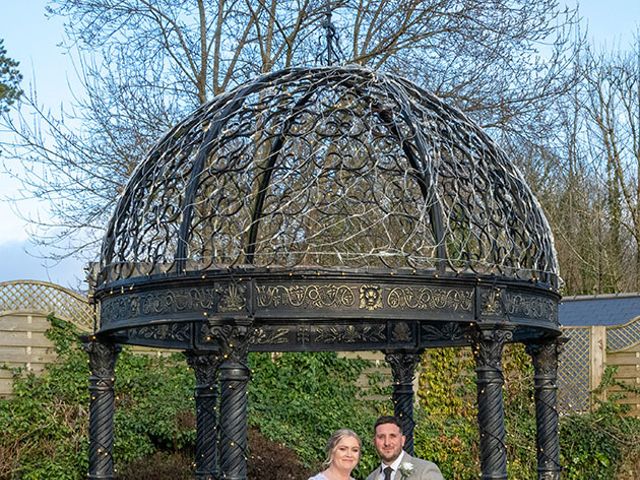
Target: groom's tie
(387,473)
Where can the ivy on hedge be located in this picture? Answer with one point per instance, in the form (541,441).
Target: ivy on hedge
(602,445)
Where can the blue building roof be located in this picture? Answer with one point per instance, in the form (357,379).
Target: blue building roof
(589,310)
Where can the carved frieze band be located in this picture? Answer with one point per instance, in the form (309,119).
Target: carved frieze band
(349,334)
(529,306)
(234,297)
(272,336)
(176,332)
(231,297)
(499,302)
(445,332)
(370,297)
(322,334)
(430,299)
(306,296)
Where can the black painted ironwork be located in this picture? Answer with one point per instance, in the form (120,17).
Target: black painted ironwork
(280,172)
(322,209)
(403,369)
(234,379)
(487,351)
(332,48)
(102,361)
(545,362)
(205,366)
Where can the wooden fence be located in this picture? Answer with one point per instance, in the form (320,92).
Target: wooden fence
(588,352)
(25,305)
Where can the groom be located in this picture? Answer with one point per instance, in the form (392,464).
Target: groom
(396,463)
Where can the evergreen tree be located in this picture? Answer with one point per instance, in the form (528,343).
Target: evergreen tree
(9,79)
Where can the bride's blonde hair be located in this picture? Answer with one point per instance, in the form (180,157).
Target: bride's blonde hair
(335,439)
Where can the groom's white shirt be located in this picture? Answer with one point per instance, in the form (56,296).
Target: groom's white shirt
(395,465)
(422,469)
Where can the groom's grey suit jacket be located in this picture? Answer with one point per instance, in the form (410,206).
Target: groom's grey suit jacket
(422,470)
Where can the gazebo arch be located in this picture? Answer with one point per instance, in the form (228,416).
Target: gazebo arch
(329,208)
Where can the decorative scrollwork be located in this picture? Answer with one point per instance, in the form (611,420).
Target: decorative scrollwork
(529,306)
(400,332)
(119,308)
(271,336)
(306,296)
(448,331)
(177,332)
(430,299)
(233,298)
(163,302)
(350,334)
(340,166)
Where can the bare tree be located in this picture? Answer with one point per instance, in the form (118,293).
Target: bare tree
(588,184)
(612,111)
(146,64)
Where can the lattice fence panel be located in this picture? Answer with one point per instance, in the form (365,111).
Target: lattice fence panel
(47,298)
(623,336)
(573,372)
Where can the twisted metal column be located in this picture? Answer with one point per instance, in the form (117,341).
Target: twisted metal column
(102,361)
(545,362)
(234,378)
(487,351)
(403,367)
(205,366)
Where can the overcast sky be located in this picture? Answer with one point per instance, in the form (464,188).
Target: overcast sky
(33,40)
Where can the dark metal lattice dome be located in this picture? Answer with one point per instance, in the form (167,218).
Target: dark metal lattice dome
(326,209)
(328,167)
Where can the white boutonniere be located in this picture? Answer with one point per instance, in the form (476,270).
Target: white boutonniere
(405,469)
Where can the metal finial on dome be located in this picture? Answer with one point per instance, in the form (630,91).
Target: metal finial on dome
(333,51)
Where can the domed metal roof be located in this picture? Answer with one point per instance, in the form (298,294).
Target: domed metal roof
(334,209)
(328,167)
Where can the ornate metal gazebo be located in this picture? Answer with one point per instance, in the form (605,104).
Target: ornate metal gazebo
(329,208)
